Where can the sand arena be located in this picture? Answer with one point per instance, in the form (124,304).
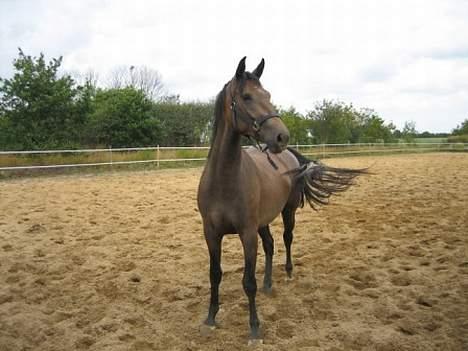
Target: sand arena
(117,261)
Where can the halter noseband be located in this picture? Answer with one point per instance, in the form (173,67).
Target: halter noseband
(256,123)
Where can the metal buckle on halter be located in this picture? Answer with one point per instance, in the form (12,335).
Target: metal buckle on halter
(255,126)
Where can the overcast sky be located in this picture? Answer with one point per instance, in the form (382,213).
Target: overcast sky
(408,60)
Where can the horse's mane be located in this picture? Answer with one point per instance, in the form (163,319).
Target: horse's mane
(218,113)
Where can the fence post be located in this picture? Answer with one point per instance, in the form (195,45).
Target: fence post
(110,154)
(157,156)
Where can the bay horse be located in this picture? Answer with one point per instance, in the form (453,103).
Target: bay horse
(242,191)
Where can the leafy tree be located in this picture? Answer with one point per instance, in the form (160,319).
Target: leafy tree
(409,131)
(332,122)
(298,126)
(426,134)
(4,132)
(461,129)
(184,123)
(84,106)
(122,118)
(38,106)
(373,128)
(337,122)
(397,134)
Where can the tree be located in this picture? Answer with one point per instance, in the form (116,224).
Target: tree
(297,125)
(373,129)
(461,129)
(397,134)
(332,122)
(409,131)
(122,118)
(38,106)
(142,78)
(184,123)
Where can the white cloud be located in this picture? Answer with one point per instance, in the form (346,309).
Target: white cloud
(406,59)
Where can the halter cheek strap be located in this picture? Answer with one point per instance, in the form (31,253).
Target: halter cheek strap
(256,125)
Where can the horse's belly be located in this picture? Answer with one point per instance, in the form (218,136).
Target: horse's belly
(273,202)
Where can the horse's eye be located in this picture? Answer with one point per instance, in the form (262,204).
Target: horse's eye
(247,97)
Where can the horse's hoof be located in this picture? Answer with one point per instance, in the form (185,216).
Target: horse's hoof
(255,342)
(206,330)
(289,278)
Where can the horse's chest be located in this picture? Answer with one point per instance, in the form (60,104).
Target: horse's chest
(225,210)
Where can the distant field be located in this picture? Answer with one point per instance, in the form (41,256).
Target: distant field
(431,140)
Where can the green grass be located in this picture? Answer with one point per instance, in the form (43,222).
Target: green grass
(97,157)
(430,140)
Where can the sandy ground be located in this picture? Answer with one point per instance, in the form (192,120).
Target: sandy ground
(118,262)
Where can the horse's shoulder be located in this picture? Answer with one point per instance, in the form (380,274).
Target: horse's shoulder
(285,161)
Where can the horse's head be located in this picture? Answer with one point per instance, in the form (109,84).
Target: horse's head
(253,114)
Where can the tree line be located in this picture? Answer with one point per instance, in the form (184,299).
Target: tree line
(40,108)
(43,109)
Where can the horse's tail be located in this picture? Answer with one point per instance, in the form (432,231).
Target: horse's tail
(318,181)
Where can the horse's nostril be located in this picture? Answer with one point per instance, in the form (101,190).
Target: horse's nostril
(283,138)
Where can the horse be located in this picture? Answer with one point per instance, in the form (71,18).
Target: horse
(242,190)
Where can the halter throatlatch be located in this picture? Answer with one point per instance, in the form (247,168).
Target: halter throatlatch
(256,124)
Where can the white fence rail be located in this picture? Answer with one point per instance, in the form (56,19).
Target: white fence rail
(28,160)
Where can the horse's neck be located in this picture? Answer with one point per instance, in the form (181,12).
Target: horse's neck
(226,153)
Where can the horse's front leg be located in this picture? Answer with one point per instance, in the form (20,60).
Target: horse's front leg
(250,244)
(214,241)
(268,247)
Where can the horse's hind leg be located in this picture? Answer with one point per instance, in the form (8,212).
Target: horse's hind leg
(268,247)
(214,248)
(289,220)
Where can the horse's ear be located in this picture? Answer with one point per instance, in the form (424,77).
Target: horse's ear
(259,70)
(240,68)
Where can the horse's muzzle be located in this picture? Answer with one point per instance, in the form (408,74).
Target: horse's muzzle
(283,139)
(275,135)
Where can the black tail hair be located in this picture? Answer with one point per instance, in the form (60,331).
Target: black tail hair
(319,181)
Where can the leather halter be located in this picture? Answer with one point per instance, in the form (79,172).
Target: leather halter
(256,124)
